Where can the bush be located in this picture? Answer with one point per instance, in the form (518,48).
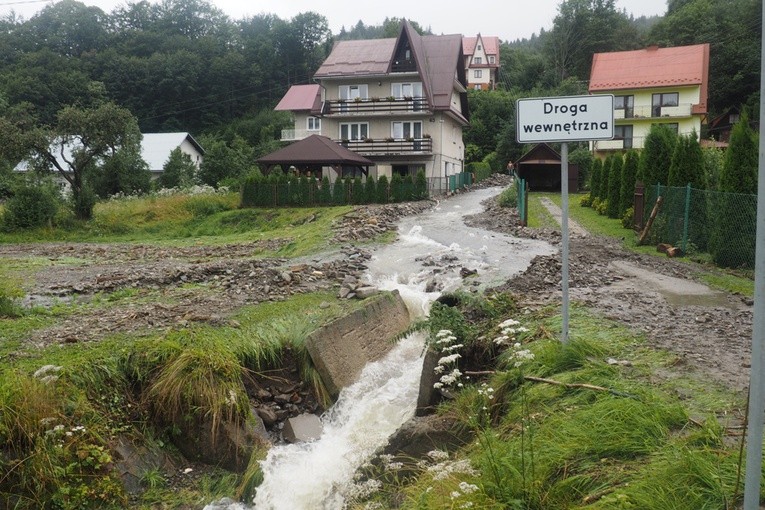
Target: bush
(396,188)
(83,203)
(382,190)
(628,218)
(509,197)
(602,207)
(586,200)
(370,190)
(30,207)
(420,185)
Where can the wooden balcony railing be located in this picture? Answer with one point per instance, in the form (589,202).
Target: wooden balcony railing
(375,106)
(389,147)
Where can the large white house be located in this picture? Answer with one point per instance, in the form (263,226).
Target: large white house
(401,103)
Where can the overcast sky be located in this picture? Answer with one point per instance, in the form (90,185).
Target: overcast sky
(507,19)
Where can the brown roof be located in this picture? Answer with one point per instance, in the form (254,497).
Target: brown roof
(490,45)
(314,150)
(650,67)
(438,57)
(301,97)
(359,57)
(540,153)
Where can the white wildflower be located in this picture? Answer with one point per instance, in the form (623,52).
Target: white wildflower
(468,488)
(449,359)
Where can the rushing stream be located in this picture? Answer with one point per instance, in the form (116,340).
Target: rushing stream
(432,249)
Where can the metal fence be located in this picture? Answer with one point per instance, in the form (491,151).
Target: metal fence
(449,184)
(523,198)
(717,223)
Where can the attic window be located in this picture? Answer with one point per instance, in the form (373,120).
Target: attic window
(478,47)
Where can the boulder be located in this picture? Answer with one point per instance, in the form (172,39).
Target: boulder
(302,428)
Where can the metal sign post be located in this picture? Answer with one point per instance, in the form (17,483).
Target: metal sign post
(564,119)
(756,380)
(564,238)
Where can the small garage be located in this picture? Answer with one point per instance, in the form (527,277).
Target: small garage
(540,167)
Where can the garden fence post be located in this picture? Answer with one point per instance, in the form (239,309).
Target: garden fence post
(686,217)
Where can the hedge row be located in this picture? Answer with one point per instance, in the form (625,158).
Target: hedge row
(290,190)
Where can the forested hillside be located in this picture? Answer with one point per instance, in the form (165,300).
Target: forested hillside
(183,65)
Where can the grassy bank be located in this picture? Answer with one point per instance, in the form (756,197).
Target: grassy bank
(595,424)
(210,219)
(65,407)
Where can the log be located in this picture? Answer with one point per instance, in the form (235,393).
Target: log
(648,225)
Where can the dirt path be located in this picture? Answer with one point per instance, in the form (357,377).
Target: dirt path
(709,331)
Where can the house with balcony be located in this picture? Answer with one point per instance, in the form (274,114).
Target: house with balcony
(481,55)
(654,85)
(400,102)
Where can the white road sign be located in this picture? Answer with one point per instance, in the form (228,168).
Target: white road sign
(565,119)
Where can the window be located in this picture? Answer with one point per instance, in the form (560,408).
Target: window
(406,129)
(477,86)
(626,103)
(408,90)
(351,92)
(313,124)
(660,100)
(477,60)
(491,59)
(354,131)
(477,73)
(624,133)
(478,47)
(402,90)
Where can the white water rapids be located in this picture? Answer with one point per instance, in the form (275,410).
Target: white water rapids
(432,248)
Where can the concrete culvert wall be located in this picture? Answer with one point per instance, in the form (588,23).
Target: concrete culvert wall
(342,348)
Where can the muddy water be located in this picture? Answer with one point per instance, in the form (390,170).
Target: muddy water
(435,252)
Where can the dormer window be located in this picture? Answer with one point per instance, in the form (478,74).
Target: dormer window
(477,60)
(491,59)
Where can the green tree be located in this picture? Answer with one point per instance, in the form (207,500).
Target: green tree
(124,172)
(605,175)
(740,165)
(713,165)
(687,163)
(383,191)
(657,155)
(732,243)
(629,174)
(615,186)
(582,28)
(80,138)
(178,171)
(595,180)
(582,158)
(370,190)
(224,162)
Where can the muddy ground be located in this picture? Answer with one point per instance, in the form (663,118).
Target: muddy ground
(165,287)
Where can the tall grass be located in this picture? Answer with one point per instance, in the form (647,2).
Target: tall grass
(606,437)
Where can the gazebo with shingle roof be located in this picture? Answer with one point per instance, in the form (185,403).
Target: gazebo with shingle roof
(313,153)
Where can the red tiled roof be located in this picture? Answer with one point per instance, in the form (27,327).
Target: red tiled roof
(651,67)
(490,45)
(300,97)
